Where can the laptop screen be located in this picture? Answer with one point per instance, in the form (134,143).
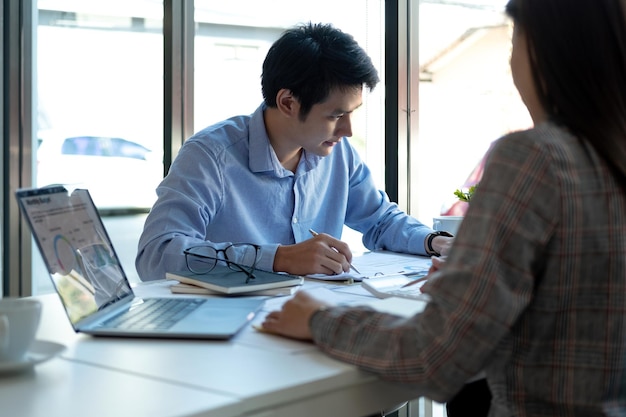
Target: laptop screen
(75,248)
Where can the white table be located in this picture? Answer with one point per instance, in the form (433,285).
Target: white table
(254,374)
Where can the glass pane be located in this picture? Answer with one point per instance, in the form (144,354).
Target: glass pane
(232,39)
(100,99)
(466,94)
(99,70)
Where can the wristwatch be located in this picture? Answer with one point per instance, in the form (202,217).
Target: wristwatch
(429,242)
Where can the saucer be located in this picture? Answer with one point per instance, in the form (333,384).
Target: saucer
(40,351)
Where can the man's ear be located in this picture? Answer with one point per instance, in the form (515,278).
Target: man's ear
(287,103)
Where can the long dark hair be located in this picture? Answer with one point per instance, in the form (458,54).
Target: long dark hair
(313,59)
(577,50)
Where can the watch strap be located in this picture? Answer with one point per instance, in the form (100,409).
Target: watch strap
(429,242)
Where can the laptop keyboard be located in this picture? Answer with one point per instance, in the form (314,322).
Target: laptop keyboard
(155,314)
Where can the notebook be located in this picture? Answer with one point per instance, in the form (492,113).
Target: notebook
(224,280)
(181,288)
(95,292)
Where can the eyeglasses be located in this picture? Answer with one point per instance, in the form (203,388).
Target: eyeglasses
(202,259)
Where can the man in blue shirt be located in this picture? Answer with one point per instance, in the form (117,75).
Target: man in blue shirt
(270,178)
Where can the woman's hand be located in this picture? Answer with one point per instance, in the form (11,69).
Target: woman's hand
(437,263)
(293,319)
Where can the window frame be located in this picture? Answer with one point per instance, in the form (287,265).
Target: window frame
(17,121)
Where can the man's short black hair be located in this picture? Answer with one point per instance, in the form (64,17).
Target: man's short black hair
(311,60)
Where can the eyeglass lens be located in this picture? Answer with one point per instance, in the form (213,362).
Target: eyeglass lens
(202,259)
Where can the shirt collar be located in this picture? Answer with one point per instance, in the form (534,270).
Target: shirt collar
(261,154)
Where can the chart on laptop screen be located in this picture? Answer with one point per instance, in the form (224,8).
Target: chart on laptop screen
(75,248)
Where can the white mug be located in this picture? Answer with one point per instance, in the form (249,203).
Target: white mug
(19,320)
(448,224)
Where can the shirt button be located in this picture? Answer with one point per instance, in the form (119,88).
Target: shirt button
(295,220)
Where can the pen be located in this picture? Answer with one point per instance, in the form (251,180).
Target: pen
(314,233)
(415,281)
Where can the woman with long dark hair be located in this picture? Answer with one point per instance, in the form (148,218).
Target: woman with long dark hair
(533,292)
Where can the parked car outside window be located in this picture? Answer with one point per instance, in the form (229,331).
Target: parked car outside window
(119,173)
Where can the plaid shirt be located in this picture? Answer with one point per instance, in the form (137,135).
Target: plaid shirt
(533,293)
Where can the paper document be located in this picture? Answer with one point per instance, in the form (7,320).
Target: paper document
(403,307)
(396,286)
(380,263)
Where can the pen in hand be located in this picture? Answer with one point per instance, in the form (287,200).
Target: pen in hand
(436,265)
(314,233)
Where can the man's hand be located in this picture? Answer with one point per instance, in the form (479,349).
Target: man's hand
(322,254)
(442,244)
(293,319)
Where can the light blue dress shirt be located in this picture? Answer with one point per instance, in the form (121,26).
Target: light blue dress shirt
(227,186)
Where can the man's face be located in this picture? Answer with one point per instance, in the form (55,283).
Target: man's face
(329,121)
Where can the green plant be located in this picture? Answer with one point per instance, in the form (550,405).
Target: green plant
(466,195)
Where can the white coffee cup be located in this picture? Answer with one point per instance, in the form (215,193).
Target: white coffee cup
(19,320)
(448,224)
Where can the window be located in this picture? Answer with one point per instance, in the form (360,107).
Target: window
(466,96)
(99,113)
(91,77)
(99,91)
(232,39)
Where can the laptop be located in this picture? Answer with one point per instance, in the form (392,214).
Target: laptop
(95,292)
